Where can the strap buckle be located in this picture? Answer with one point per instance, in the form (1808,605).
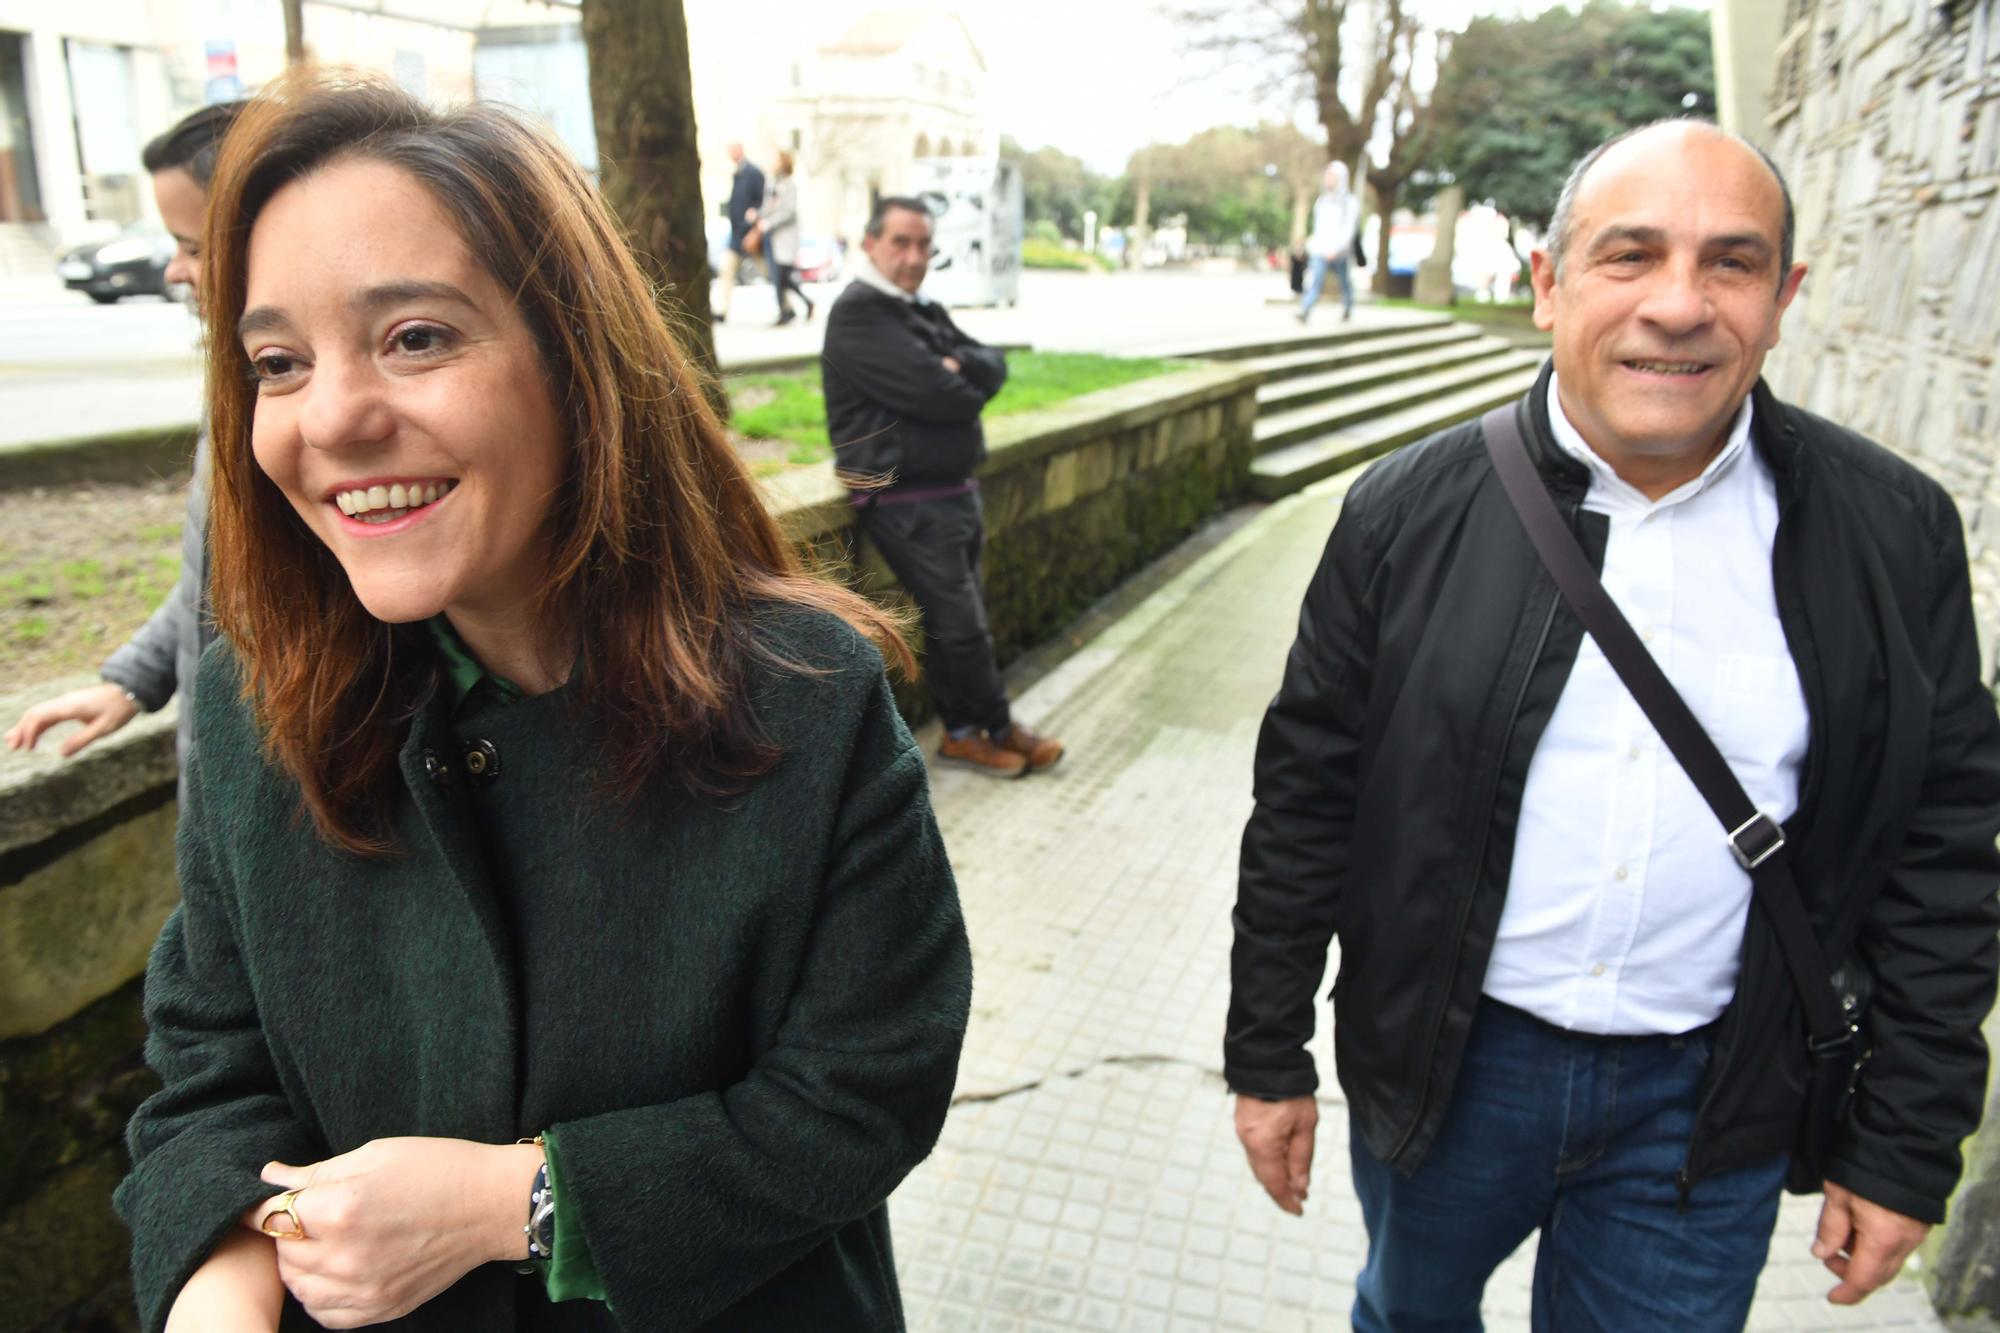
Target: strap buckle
(1822,1048)
(1756,841)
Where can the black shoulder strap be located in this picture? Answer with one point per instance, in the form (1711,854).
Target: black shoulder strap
(1755,838)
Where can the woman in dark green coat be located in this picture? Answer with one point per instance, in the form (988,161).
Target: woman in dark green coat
(566,940)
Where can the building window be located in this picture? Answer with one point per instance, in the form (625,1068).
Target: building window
(797,139)
(798,77)
(923,148)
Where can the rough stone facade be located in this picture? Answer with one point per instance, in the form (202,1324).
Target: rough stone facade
(1077,498)
(1885,115)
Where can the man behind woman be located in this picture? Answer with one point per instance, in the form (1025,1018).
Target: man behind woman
(159,660)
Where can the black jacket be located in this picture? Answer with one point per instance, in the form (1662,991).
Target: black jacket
(892,409)
(1431,651)
(746,192)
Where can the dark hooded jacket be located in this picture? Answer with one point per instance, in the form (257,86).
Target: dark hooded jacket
(895,413)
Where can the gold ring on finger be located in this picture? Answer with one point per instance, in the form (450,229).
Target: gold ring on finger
(285,1206)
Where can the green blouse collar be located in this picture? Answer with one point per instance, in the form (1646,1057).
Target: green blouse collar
(468,683)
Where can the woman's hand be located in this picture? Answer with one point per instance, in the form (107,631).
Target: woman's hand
(396,1221)
(101,708)
(235,1291)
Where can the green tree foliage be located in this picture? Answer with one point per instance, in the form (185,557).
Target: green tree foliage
(1232,184)
(1518,101)
(1059,189)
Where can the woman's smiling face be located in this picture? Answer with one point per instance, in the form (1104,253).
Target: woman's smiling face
(402,406)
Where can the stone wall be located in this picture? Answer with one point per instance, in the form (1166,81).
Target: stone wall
(1886,118)
(1077,498)
(1885,115)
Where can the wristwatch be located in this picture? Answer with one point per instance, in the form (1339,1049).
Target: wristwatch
(541,1226)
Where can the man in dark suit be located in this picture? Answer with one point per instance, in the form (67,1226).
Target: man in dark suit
(746,192)
(904,389)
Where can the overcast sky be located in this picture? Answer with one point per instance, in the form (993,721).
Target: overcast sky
(1097,78)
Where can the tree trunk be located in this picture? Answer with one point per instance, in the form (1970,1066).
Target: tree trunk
(642,99)
(1385,208)
(295,32)
(1142,207)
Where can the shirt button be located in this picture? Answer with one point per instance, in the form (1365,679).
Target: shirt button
(437,769)
(1598,970)
(1649,635)
(1634,752)
(1621,874)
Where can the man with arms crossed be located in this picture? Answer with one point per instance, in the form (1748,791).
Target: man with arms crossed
(1556,1008)
(904,389)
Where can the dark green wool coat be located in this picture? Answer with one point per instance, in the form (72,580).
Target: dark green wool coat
(743,1017)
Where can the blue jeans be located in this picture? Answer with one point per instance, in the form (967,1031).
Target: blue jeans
(1580,1137)
(1316,269)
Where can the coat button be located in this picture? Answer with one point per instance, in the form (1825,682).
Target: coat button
(482,760)
(436,768)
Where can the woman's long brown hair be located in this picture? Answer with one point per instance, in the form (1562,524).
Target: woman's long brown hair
(661,542)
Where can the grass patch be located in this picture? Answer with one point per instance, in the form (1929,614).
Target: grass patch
(790,407)
(1051,254)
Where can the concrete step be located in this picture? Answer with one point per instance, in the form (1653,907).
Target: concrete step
(1315,419)
(1287,395)
(1288,365)
(1341,335)
(1297,466)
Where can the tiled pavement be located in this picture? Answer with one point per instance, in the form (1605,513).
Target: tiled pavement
(1088,1177)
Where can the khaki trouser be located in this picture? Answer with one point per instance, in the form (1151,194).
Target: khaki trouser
(725,277)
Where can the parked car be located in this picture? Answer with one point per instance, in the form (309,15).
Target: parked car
(132,264)
(819,258)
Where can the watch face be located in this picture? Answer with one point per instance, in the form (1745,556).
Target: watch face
(541,1217)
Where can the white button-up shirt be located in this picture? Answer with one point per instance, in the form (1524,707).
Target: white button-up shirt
(1625,907)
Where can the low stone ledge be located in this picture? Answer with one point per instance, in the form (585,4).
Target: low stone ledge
(43,794)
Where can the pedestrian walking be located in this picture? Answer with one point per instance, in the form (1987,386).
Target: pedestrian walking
(746,195)
(565,939)
(779,225)
(1557,1008)
(159,660)
(904,388)
(1336,216)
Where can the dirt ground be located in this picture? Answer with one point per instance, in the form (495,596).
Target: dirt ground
(81,567)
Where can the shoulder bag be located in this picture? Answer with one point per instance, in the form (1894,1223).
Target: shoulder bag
(1834,1002)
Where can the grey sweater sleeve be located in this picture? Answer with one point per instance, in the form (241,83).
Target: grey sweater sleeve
(145,664)
(149,663)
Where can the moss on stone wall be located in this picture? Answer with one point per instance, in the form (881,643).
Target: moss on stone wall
(64,1098)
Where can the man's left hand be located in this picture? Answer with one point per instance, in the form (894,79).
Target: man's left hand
(1862,1243)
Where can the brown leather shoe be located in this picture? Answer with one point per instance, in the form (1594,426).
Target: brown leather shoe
(979,752)
(1040,751)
